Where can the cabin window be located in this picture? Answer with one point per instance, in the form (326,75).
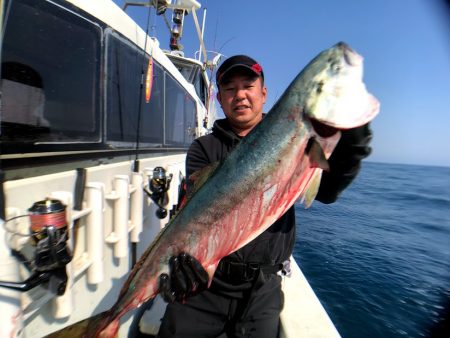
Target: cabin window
(50,71)
(126,66)
(180,114)
(192,72)
(166,119)
(201,88)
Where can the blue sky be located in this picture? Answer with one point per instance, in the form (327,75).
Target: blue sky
(405,45)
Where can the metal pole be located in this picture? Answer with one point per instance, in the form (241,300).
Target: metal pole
(202,48)
(203,32)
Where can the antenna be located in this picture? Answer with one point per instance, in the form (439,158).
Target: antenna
(180,8)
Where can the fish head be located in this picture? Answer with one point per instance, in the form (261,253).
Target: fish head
(335,93)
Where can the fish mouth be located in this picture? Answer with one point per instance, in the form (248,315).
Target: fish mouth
(323,129)
(351,57)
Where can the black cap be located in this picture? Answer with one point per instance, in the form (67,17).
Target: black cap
(238,61)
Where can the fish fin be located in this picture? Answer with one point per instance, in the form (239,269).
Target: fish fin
(312,189)
(211,269)
(318,160)
(316,155)
(200,177)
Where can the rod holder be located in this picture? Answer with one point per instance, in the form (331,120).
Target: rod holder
(95,199)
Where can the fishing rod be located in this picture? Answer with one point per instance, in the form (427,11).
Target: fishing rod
(138,127)
(147,81)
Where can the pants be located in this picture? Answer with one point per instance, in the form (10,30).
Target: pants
(209,314)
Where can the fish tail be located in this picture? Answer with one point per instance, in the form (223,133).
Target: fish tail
(103,325)
(110,331)
(97,326)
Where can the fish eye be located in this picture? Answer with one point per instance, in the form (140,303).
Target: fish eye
(335,67)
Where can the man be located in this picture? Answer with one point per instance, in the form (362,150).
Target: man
(245,297)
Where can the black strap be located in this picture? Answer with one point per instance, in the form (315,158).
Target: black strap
(245,272)
(271,269)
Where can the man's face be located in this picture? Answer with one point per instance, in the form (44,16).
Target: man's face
(242,98)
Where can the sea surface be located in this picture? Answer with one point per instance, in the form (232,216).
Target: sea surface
(379,258)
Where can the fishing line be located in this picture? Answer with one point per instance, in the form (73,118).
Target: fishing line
(59,219)
(166,21)
(14,232)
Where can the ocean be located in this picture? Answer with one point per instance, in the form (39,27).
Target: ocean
(379,258)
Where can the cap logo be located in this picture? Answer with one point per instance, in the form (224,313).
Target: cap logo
(257,68)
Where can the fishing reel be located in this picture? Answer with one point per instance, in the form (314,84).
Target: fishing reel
(158,187)
(48,241)
(50,235)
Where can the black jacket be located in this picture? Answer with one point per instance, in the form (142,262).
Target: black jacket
(275,245)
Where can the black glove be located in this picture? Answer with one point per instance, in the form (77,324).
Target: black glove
(187,278)
(345,162)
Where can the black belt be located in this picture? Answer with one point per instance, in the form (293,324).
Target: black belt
(246,272)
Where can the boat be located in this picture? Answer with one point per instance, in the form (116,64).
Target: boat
(96,120)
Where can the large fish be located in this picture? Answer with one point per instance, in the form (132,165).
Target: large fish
(277,163)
